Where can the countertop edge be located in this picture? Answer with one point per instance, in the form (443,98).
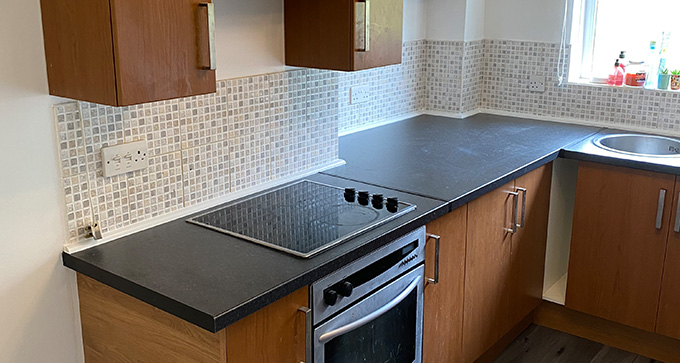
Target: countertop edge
(141,293)
(621,162)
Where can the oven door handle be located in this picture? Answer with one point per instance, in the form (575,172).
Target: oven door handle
(324,338)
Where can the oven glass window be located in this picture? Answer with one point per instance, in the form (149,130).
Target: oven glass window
(391,338)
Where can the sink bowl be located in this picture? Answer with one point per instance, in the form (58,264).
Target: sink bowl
(640,145)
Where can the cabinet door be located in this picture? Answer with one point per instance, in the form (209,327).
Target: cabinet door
(668,320)
(443,311)
(529,244)
(274,334)
(617,251)
(384,36)
(487,271)
(158,45)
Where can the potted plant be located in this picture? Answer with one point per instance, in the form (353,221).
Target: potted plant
(675,80)
(664,79)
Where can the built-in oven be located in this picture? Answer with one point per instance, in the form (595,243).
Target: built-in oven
(372,309)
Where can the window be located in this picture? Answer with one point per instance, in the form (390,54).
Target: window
(601,29)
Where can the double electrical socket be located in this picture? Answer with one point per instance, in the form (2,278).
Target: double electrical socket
(537,84)
(359,94)
(124,158)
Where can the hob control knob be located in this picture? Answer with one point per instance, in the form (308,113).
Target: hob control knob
(330,297)
(364,197)
(377,201)
(345,288)
(393,204)
(350,194)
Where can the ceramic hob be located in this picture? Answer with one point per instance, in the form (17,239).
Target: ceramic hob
(303,218)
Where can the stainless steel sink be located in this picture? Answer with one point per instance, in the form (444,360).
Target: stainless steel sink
(640,145)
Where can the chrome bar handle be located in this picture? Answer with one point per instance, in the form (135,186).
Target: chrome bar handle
(309,328)
(210,7)
(659,210)
(522,224)
(514,213)
(437,240)
(367,26)
(324,338)
(677,216)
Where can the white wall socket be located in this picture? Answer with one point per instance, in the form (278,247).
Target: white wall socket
(359,94)
(537,84)
(124,158)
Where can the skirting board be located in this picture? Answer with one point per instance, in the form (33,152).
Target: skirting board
(603,331)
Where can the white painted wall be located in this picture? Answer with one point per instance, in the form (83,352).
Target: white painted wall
(446,19)
(38,322)
(475,11)
(537,20)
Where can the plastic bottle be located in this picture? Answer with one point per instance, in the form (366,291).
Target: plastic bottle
(616,77)
(652,63)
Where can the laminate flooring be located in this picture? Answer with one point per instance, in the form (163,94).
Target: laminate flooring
(538,344)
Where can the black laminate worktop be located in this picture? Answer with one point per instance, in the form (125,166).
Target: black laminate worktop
(453,160)
(212,279)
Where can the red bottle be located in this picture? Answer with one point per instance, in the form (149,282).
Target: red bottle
(616,77)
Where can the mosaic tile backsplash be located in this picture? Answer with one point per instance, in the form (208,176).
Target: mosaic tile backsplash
(251,131)
(265,127)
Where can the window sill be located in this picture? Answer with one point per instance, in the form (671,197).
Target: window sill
(582,82)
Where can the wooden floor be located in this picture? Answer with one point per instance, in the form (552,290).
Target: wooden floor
(538,344)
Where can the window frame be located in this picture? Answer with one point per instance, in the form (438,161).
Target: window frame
(584,18)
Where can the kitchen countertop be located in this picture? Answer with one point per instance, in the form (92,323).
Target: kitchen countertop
(453,160)
(438,163)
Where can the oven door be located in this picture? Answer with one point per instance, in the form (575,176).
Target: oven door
(386,326)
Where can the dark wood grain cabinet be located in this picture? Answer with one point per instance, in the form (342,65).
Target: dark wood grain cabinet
(124,52)
(344,35)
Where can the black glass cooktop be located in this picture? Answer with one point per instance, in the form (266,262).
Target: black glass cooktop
(302,219)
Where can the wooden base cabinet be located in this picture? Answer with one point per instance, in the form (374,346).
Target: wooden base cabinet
(504,266)
(443,306)
(344,35)
(668,319)
(125,52)
(618,245)
(491,273)
(119,328)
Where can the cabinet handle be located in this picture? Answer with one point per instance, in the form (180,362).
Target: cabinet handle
(524,206)
(308,333)
(437,240)
(367,26)
(659,210)
(210,8)
(515,211)
(677,216)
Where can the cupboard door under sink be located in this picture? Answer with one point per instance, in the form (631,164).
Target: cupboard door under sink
(618,243)
(668,320)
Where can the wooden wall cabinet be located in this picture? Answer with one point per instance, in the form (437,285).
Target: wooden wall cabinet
(335,34)
(490,278)
(124,52)
(618,245)
(119,328)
